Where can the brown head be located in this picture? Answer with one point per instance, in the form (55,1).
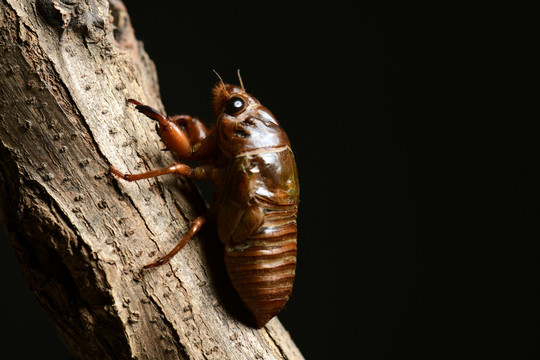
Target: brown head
(243,124)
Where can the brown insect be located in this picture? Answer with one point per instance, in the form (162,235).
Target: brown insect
(248,158)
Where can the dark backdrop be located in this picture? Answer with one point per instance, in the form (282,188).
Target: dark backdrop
(416,135)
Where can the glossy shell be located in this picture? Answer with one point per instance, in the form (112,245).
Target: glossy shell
(257,223)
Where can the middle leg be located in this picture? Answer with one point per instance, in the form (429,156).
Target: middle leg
(178,169)
(204,172)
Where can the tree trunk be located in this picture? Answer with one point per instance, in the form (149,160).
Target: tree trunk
(66,70)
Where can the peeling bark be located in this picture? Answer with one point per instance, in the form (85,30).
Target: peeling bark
(82,237)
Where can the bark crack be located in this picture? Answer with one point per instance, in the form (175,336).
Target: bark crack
(181,350)
(277,344)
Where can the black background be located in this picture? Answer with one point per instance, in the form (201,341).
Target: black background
(415,131)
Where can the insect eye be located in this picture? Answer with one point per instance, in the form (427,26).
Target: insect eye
(234,105)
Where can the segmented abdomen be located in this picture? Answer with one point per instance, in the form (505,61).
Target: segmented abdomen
(262,267)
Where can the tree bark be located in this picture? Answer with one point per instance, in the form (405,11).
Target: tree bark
(82,237)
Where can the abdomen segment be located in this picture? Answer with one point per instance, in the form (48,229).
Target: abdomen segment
(262,267)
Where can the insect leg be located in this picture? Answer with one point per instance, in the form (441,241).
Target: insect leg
(204,172)
(195,129)
(179,169)
(194,229)
(171,134)
(200,172)
(149,111)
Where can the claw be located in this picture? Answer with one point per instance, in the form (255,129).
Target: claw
(133,101)
(149,111)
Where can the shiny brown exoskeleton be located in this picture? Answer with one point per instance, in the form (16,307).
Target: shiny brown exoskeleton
(248,157)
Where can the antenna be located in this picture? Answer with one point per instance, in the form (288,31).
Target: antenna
(222,83)
(240,78)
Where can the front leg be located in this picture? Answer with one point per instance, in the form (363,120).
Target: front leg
(203,141)
(195,129)
(171,134)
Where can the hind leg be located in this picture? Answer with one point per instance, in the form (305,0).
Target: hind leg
(194,228)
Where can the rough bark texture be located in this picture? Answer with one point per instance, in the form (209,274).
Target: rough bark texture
(66,69)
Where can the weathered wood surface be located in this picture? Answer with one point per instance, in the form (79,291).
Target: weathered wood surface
(66,69)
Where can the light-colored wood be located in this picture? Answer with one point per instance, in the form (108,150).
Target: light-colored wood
(66,70)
